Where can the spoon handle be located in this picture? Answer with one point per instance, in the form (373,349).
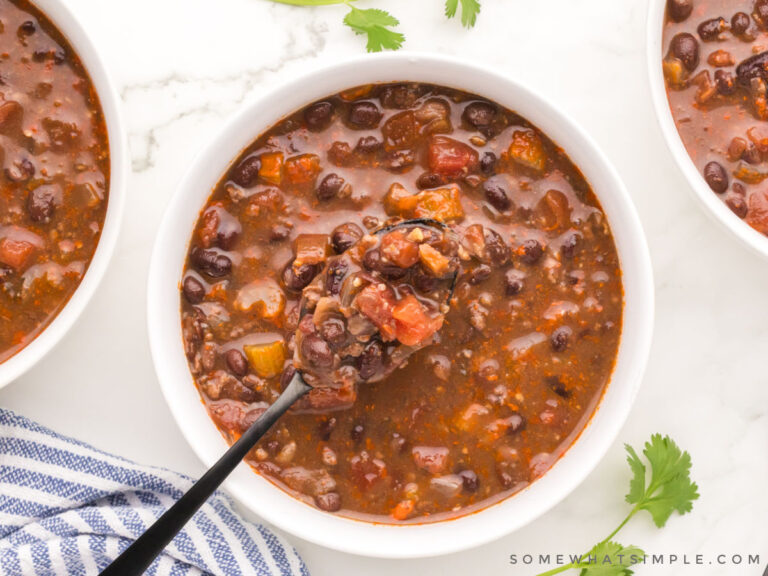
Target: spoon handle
(139,555)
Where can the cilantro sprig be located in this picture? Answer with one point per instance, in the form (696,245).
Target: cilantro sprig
(379,25)
(666,489)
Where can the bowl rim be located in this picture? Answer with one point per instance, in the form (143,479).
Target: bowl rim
(713,206)
(71,28)
(289,513)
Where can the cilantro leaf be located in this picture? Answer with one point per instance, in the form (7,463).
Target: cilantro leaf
(469,11)
(670,488)
(376,24)
(610,558)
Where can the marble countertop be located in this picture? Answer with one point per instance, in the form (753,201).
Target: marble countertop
(183,66)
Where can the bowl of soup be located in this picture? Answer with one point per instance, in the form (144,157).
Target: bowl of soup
(528,377)
(62,178)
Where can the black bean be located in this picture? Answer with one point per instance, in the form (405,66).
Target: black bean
(496,250)
(740,23)
(228,232)
(557,386)
(513,284)
(357,431)
(752,155)
(399,160)
(330,502)
(345,236)
(479,114)
(41,203)
(246,173)
(478,274)
(20,171)
(560,338)
(716,177)
(685,48)
(326,428)
(569,245)
(423,282)
(679,10)
(287,376)
(738,206)
(296,279)
(469,481)
(371,222)
(753,67)
(710,29)
(236,362)
(760,13)
(193,289)
(334,331)
(334,277)
(429,180)
(316,351)
(488,163)
(318,116)
(27,28)
(371,360)
(739,188)
(496,195)
(211,262)
(364,115)
(368,145)
(329,187)
(372,261)
(532,252)
(724,82)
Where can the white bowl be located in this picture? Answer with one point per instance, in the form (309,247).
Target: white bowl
(64,20)
(713,205)
(353,536)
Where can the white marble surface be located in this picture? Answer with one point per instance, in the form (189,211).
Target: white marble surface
(183,66)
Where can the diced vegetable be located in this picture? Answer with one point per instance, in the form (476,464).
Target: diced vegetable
(272,167)
(451,157)
(554,210)
(356,93)
(442,204)
(433,459)
(748,174)
(396,248)
(433,260)
(302,170)
(403,509)
(311,249)
(527,150)
(267,360)
(264,296)
(413,326)
(376,301)
(400,131)
(15,253)
(434,117)
(757,217)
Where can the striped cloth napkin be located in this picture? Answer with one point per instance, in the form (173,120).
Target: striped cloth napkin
(67,508)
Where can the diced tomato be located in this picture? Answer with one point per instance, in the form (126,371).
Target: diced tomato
(527,150)
(757,217)
(451,157)
(366,471)
(376,301)
(15,253)
(413,326)
(430,458)
(396,248)
(272,167)
(302,170)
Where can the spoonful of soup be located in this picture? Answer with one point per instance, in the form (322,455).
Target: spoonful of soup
(369,310)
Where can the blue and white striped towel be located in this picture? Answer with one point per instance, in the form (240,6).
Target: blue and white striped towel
(67,508)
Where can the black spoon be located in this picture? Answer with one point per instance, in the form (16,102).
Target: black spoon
(140,555)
